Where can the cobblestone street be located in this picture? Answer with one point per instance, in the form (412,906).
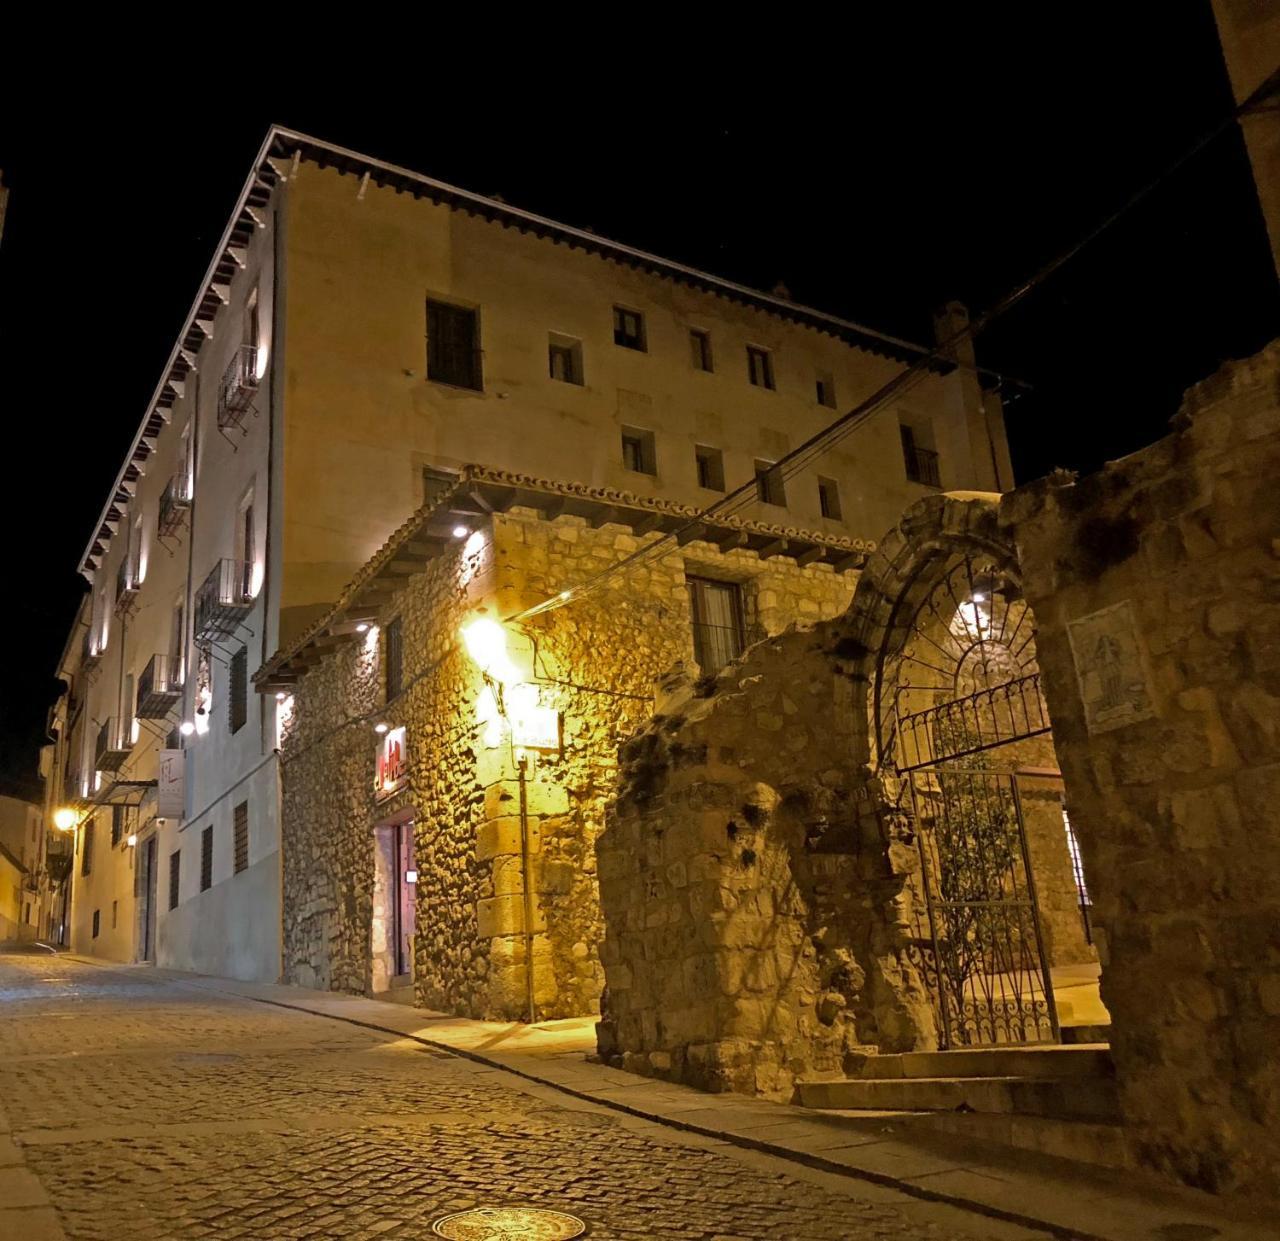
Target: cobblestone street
(150,1109)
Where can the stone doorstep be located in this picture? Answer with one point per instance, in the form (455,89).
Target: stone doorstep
(1074,1097)
(1055,1061)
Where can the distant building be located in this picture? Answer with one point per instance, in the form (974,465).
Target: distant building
(22,856)
(362,336)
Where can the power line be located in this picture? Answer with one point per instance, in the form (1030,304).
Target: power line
(824,440)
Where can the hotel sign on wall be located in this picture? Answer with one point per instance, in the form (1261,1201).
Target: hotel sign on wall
(393,763)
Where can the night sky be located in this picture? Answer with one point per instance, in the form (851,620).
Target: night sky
(880,173)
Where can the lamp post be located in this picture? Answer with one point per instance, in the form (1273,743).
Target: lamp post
(65,819)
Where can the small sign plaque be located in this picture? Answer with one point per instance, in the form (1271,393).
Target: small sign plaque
(393,763)
(1110,669)
(171,784)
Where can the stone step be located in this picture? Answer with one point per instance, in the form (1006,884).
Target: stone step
(1075,1035)
(1085,1098)
(1055,1060)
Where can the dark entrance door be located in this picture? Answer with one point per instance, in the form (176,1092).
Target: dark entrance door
(403,888)
(147,891)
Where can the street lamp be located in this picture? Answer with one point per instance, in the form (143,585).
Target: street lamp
(64,819)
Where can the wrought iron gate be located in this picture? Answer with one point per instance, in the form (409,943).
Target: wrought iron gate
(963,685)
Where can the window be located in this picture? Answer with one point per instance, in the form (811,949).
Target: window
(86,855)
(700,346)
(716,609)
(628,329)
(252,330)
(206,859)
(829,497)
(760,367)
(921,463)
(245,550)
(710,467)
(453,345)
(117,824)
(564,356)
(769,484)
(240,832)
(394,635)
(114,911)
(175,873)
(435,483)
(238,698)
(97,914)
(826,389)
(638,451)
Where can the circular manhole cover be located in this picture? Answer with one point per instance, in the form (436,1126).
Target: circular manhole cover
(509,1224)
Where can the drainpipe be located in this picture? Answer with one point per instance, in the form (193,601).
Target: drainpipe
(527,884)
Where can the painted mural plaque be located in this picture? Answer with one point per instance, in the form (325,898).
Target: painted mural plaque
(1109,668)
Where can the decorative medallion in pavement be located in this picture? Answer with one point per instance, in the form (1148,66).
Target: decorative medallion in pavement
(509,1224)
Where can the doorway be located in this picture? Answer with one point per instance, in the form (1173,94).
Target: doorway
(147,893)
(394,913)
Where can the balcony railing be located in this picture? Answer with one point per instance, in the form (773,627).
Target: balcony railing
(922,465)
(159,687)
(238,387)
(113,746)
(175,501)
(224,600)
(127,584)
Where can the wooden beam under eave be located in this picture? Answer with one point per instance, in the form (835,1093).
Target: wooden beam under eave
(775,547)
(603,517)
(688,534)
(646,523)
(425,549)
(842,564)
(551,507)
(492,498)
(730,539)
(808,557)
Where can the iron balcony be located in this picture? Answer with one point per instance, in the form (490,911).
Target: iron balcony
(238,387)
(922,465)
(174,503)
(127,585)
(113,746)
(159,687)
(89,652)
(224,600)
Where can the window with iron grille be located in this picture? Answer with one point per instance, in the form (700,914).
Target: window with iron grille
(921,463)
(628,328)
(394,637)
(453,345)
(700,347)
(238,698)
(710,463)
(829,497)
(716,609)
(240,826)
(770,488)
(86,849)
(175,875)
(206,859)
(564,356)
(117,824)
(759,366)
(639,451)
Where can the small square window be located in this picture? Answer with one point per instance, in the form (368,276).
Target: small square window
(770,488)
(826,389)
(628,329)
(700,345)
(638,451)
(710,467)
(829,498)
(564,358)
(760,366)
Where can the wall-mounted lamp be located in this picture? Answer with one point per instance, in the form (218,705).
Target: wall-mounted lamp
(132,840)
(362,627)
(187,728)
(64,819)
(460,532)
(280,695)
(380,728)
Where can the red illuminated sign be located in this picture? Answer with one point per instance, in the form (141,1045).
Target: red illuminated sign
(393,763)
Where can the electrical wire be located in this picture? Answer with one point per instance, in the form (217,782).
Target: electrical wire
(824,440)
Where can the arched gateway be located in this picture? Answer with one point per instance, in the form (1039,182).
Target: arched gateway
(956,724)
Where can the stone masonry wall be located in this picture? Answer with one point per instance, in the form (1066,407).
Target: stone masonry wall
(595,661)
(1156,587)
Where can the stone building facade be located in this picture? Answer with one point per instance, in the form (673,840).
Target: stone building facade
(505,908)
(785,949)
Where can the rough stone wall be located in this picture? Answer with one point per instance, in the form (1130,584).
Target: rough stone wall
(1167,721)
(595,661)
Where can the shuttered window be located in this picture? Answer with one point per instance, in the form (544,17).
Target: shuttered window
(117,824)
(175,872)
(453,345)
(206,859)
(86,850)
(394,634)
(238,699)
(240,824)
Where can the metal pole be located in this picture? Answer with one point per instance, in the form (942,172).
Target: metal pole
(527,884)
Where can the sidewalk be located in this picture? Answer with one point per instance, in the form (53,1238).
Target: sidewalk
(1067,1200)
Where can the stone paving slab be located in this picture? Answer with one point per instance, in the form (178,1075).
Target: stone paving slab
(1065,1199)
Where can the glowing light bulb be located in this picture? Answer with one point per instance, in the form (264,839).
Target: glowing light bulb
(379,728)
(362,627)
(132,841)
(979,597)
(64,818)
(280,696)
(460,532)
(187,728)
